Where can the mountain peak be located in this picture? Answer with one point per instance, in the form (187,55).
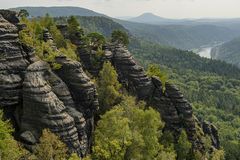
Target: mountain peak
(149,17)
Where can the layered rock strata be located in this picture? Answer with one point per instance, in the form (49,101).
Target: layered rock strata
(175,110)
(82,90)
(36,98)
(13,64)
(47,104)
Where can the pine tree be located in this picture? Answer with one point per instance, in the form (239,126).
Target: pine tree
(74,30)
(120,37)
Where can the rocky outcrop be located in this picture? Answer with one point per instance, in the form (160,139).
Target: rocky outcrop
(65,100)
(130,73)
(82,90)
(211,130)
(34,97)
(13,64)
(175,110)
(47,104)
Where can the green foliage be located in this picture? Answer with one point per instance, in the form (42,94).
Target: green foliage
(218,155)
(74,156)
(47,21)
(228,52)
(97,24)
(32,36)
(183,146)
(154,70)
(180,36)
(128,131)
(50,147)
(96,59)
(58,37)
(9,148)
(96,40)
(108,87)
(23,13)
(120,37)
(74,30)
(212,86)
(225,122)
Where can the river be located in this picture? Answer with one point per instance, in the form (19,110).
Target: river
(204,52)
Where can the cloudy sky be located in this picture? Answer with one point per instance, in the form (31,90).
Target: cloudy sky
(164,8)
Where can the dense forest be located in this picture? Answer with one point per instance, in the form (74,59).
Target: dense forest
(211,86)
(126,128)
(228,52)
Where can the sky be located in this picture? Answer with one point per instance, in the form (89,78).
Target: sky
(165,8)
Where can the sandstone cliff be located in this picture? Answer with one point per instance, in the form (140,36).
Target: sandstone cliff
(34,96)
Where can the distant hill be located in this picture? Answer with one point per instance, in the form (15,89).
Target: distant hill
(59,11)
(181,36)
(150,18)
(228,52)
(102,25)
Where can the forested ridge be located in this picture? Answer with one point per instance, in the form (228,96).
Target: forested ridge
(128,128)
(211,86)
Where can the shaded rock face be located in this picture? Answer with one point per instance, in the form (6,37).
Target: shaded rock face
(130,73)
(10,16)
(82,90)
(65,100)
(13,64)
(175,110)
(212,131)
(34,97)
(47,104)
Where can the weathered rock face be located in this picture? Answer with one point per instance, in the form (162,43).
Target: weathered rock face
(130,73)
(212,131)
(12,66)
(82,90)
(47,104)
(65,100)
(175,110)
(36,98)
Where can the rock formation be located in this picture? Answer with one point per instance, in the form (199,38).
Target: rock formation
(34,97)
(13,63)
(47,104)
(175,110)
(65,100)
(82,90)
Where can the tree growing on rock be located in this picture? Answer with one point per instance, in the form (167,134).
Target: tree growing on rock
(96,40)
(74,30)
(119,36)
(154,70)
(108,88)
(183,146)
(50,147)
(9,148)
(23,13)
(130,131)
